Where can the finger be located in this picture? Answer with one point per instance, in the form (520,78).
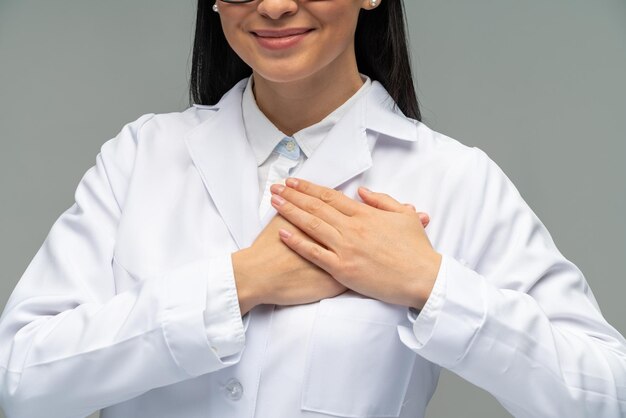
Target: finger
(424,218)
(312,205)
(308,249)
(382,201)
(334,198)
(310,224)
(388,203)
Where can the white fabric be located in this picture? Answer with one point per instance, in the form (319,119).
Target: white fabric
(112,311)
(264,136)
(278,171)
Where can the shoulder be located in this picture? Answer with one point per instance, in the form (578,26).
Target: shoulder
(160,137)
(441,145)
(165,132)
(418,141)
(472,185)
(179,123)
(179,120)
(452,153)
(440,155)
(154,126)
(158,129)
(464,172)
(150,137)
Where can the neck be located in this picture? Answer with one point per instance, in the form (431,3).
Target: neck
(295,105)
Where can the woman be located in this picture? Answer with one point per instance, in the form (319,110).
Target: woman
(170,288)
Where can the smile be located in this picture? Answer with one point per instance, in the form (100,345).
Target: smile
(276,40)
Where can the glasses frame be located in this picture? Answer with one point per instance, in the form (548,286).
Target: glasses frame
(237,1)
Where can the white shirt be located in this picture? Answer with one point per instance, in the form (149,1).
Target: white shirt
(264,137)
(115,305)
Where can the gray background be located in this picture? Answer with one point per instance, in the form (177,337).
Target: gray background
(538,85)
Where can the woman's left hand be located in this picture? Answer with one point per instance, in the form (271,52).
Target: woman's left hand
(378,248)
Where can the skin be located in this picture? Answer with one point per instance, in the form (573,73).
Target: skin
(319,74)
(383,252)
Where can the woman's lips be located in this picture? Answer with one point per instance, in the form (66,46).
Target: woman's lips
(277,40)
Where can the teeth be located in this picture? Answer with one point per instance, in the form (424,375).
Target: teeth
(280,36)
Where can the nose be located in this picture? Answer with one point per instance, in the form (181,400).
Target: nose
(275,9)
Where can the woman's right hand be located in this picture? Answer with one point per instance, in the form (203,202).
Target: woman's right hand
(269,272)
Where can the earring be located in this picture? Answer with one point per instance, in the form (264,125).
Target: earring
(373,3)
(215,8)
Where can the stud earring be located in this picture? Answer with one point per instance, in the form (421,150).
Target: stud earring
(373,3)
(215,8)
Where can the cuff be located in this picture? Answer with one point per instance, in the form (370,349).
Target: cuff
(222,317)
(246,320)
(444,331)
(183,297)
(423,321)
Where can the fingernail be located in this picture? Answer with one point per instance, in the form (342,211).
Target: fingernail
(291,182)
(277,200)
(284,233)
(366,190)
(277,188)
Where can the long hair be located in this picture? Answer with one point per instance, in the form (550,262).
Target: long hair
(380,43)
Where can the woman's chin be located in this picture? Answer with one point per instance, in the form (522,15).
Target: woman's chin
(279,74)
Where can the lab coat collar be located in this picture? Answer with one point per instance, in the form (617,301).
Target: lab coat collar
(233,182)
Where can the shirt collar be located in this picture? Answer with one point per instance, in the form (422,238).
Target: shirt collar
(263,135)
(381,113)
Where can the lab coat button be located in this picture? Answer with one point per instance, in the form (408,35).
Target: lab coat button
(233,389)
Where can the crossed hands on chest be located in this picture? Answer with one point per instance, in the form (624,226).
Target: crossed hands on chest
(322,243)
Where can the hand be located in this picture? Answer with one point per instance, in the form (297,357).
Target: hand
(288,279)
(378,249)
(269,272)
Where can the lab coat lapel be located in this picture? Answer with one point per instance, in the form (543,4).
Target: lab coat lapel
(221,152)
(346,152)
(342,155)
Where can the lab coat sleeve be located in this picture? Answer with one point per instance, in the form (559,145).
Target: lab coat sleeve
(71,345)
(225,327)
(423,320)
(517,319)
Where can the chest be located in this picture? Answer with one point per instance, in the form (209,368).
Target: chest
(170,218)
(330,356)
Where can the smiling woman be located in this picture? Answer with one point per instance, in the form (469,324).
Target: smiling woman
(298,243)
(343,39)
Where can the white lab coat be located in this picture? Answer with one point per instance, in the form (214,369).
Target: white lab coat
(109,313)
